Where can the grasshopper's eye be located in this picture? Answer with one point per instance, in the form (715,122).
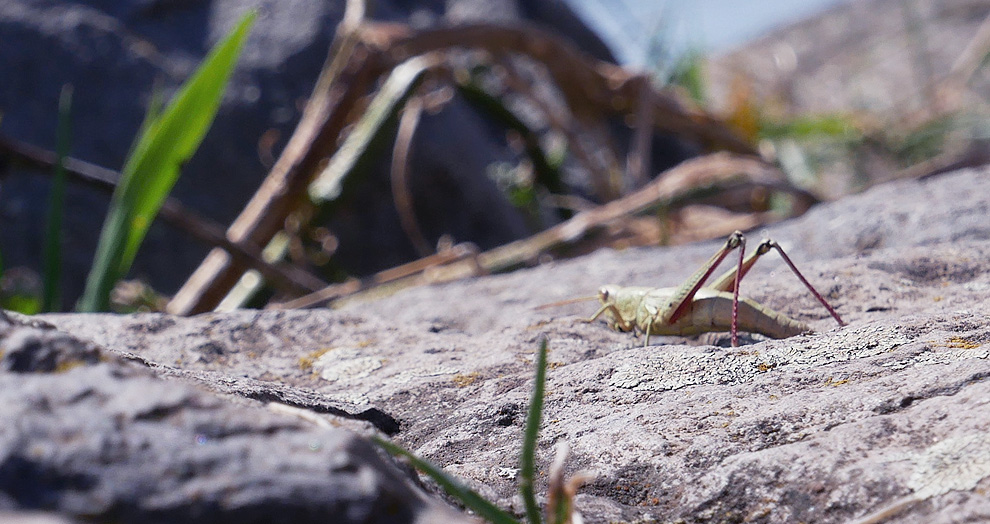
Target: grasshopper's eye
(603,294)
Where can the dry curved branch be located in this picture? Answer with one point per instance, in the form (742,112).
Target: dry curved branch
(590,87)
(708,172)
(401,194)
(342,82)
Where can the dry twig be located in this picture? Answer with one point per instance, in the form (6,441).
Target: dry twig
(340,85)
(638,160)
(401,194)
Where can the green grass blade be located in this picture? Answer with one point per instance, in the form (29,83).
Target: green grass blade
(154,112)
(452,486)
(153,167)
(809,127)
(56,206)
(689,73)
(527,475)
(172,138)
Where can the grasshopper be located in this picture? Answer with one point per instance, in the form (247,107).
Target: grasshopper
(693,308)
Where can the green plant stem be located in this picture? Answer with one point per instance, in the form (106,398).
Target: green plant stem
(56,206)
(527,476)
(452,486)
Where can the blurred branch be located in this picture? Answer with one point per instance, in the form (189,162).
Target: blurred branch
(345,77)
(42,159)
(685,182)
(695,177)
(638,160)
(360,55)
(401,194)
(918,42)
(949,91)
(590,87)
(173,212)
(416,270)
(973,155)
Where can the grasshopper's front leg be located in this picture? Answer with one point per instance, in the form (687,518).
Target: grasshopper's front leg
(655,315)
(621,323)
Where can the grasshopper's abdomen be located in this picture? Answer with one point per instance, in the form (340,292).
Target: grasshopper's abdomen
(712,311)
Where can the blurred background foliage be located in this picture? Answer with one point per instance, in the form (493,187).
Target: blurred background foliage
(900,91)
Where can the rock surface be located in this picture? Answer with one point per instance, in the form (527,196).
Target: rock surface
(823,427)
(102,439)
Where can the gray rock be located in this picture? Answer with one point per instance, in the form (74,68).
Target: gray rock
(109,441)
(821,427)
(26,349)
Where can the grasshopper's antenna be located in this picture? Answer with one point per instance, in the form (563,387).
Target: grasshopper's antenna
(566,302)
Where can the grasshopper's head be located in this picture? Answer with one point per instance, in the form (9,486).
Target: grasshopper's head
(620,304)
(607,294)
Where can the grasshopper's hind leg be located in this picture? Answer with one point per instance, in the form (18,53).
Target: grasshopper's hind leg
(728,282)
(806,283)
(684,295)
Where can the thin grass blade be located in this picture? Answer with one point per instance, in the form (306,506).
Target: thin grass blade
(153,167)
(527,475)
(471,499)
(56,206)
(156,105)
